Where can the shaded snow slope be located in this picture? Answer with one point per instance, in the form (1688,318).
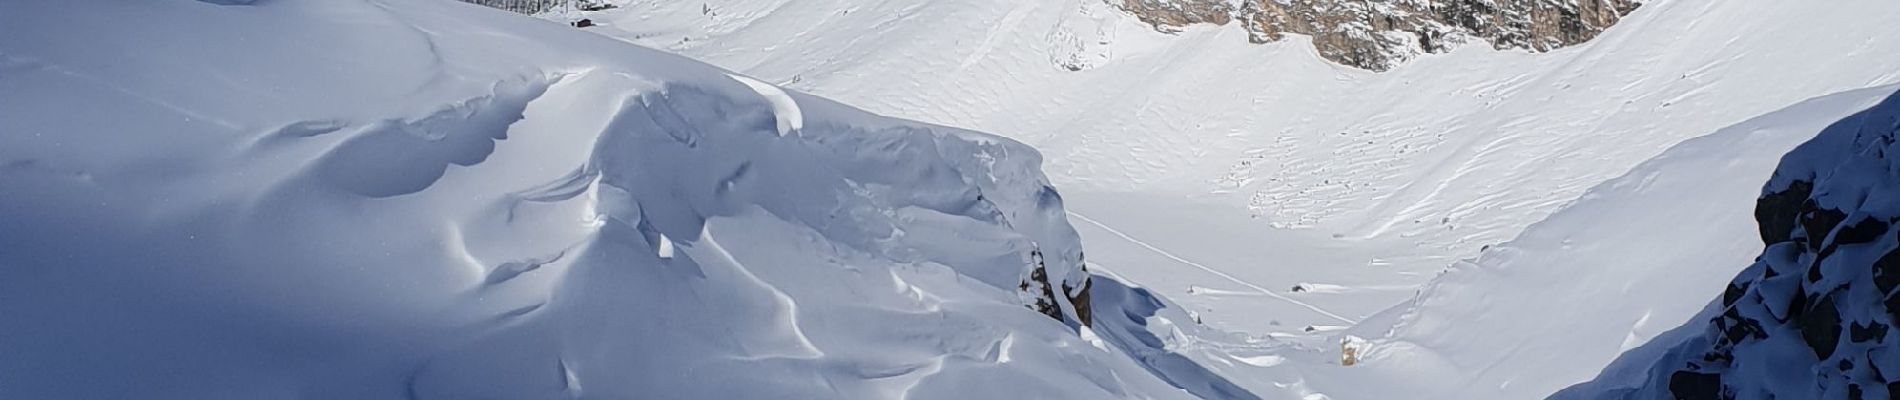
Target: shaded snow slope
(1812,317)
(428,199)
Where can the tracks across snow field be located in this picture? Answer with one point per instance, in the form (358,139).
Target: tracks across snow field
(1211,270)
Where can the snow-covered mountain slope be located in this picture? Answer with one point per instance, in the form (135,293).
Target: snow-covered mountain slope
(1812,317)
(1630,260)
(1361,184)
(429,199)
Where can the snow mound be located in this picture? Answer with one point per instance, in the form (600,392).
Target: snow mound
(1811,317)
(368,200)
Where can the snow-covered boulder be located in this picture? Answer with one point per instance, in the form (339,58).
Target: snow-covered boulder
(431,199)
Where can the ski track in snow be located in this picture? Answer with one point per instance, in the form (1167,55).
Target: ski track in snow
(1211,270)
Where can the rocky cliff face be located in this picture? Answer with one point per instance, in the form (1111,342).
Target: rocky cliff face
(1381,34)
(1813,317)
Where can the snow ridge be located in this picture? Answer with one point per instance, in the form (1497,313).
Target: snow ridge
(212,201)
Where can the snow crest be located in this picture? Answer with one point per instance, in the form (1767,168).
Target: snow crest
(370,200)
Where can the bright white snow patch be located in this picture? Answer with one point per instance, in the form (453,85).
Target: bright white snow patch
(666,247)
(784,109)
(1261,361)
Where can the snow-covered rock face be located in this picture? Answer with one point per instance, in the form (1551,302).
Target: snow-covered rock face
(369,200)
(1380,35)
(1813,317)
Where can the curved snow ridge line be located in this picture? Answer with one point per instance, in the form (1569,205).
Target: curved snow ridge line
(1216,272)
(785,110)
(400,155)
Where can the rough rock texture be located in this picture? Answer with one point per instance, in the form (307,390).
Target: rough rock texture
(1812,318)
(530,6)
(1036,291)
(1170,15)
(1381,34)
(1039,294)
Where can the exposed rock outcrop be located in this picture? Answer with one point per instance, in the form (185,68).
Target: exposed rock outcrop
(1812,318)
(1039,293)
(1035,289)
(534,6)
(1381,34)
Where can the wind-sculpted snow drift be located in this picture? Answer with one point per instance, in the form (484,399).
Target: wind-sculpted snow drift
(1812,317)
(364,200)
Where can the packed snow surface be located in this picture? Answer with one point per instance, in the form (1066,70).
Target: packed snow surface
(430,199)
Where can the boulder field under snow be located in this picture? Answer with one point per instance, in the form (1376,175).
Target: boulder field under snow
(1813,317)
(429,199)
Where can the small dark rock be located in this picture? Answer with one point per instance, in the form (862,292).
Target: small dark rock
(1866,230)
(1875,332)
(1821,327)
(1776,213)
(1817,222)
(1687,385)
